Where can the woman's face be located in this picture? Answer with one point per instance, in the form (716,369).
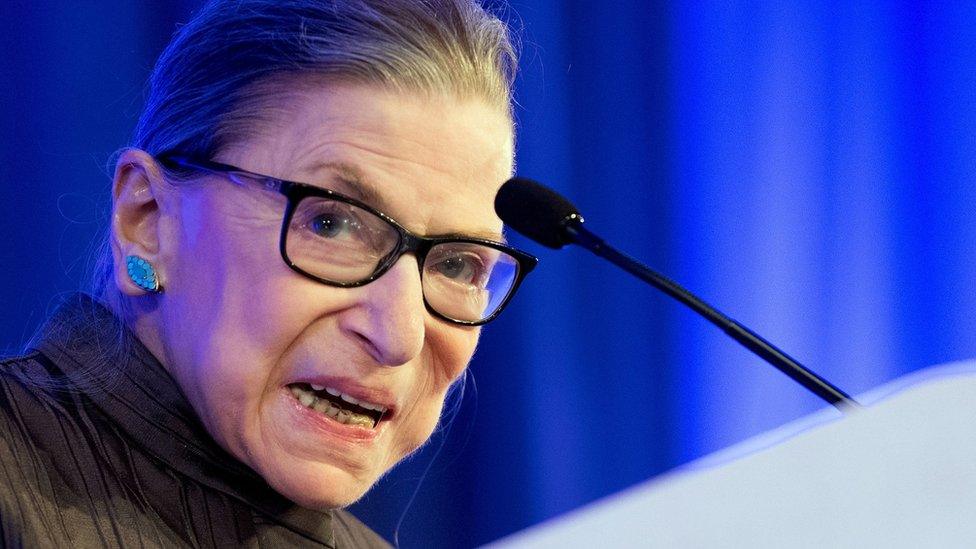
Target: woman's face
(239,329)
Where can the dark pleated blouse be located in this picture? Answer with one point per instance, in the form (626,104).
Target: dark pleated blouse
(99,448)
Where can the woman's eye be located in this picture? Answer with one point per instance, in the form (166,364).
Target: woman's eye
(330,225)
(460,268)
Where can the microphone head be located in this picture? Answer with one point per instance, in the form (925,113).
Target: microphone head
(535,211)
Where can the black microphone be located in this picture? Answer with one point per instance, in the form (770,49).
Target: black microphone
(541,214)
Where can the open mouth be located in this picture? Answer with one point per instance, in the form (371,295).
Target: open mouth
(337,405)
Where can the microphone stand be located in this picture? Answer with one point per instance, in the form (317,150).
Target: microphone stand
(573,226)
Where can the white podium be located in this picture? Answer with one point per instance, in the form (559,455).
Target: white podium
(899,473)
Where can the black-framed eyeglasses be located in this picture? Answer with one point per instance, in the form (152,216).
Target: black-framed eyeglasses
(340,241)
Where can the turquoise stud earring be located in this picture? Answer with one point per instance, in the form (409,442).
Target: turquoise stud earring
(142,273)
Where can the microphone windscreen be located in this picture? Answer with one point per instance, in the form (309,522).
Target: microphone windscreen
(535,211)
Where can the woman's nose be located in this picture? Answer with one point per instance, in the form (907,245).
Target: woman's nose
(393,324)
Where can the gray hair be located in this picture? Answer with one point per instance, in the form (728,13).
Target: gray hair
(210,85)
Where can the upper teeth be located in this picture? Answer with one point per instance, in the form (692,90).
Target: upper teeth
(349,398)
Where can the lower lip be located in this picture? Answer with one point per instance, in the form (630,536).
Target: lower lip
(309,419)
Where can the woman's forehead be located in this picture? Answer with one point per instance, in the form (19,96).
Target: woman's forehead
(394,151)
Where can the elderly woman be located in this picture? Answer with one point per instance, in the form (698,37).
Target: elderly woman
(302,249)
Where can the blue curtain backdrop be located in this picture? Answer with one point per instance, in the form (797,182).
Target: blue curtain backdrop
(806,166)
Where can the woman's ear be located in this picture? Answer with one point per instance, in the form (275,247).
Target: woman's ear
(137,194)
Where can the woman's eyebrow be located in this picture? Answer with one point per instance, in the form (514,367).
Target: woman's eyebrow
(356,185)
(485,234)
(354,181)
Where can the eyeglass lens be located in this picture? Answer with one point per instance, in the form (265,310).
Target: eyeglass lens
(345,244)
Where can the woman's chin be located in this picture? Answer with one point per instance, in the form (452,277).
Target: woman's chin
(319,487)
(311,461)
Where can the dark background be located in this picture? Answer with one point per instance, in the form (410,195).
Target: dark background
(806,167)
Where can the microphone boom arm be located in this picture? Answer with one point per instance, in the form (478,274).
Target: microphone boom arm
(754,342)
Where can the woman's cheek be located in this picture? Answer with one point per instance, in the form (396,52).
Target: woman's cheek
(452,350)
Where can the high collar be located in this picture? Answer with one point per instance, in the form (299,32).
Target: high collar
(100,357)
